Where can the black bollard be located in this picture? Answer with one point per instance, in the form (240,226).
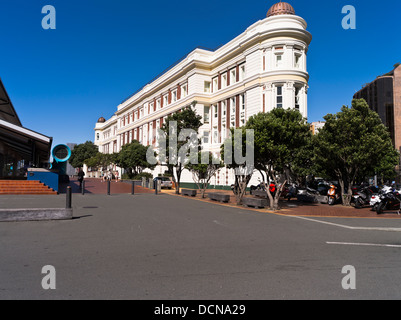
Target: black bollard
(133,187)
(155,185)
(68,198)
(108,187)
(83,187)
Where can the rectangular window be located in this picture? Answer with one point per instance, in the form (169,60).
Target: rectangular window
(174,96)
(215,84)
(158,102)
(233,76)
(242,72)
(206,112)
(165,100)
(150,133)
(215,111)
(297,98)
(224,108)
(215,135)
(279,101)
(233,104)
(206,137)
(279,60)
(224,80)
(207,86)
(297,61)
(184,91)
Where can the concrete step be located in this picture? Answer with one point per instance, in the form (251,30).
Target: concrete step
(24,187)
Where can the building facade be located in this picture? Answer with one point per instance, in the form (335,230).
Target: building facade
(316,126)
(383,95)
(263,68)
(20,147)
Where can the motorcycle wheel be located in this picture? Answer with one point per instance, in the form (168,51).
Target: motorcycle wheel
(358,204)
(374,208)
(331,201)
(380,208)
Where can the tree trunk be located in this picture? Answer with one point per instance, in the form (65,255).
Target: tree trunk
(177,184)
(346,197)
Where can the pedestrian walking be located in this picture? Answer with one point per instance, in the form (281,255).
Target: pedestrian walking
(81,175)
(116,175)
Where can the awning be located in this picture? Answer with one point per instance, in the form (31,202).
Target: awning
(33,145)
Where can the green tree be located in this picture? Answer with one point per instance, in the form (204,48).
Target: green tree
(279,137)
(237,143)
(354,143)
(176,160)
(132,157)
(203,172)
(102,160)
(82,152)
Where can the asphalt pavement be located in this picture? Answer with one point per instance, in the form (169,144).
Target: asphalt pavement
(150,246)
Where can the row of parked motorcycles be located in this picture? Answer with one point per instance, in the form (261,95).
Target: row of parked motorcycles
(379,199)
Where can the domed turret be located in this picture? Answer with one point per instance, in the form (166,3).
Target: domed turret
(280,8)
(101,120)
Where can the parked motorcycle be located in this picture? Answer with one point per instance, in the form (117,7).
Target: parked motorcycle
(375,199)
(363,196)
(389,201)
(333,195)
(307,195)
(260,186)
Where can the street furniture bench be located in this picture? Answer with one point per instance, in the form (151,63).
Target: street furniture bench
(188,192)
(218,196)
(254,202)
(259,194)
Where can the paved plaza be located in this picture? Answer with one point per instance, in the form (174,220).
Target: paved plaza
(150,246)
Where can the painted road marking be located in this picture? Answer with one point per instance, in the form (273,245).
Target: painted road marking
(366,244)
(350,227)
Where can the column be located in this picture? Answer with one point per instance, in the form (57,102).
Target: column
(269,97)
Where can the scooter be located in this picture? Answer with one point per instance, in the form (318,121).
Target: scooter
(333,196)
(390,201)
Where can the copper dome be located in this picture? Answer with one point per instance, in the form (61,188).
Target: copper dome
(280,8)
(101,120)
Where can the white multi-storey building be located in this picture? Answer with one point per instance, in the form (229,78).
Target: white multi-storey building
(263,68)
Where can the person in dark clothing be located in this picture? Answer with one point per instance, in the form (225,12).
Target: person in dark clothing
(81,175)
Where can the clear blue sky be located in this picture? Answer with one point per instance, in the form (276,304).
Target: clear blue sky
(61,81)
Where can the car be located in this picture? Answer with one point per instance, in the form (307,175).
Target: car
(165,182)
